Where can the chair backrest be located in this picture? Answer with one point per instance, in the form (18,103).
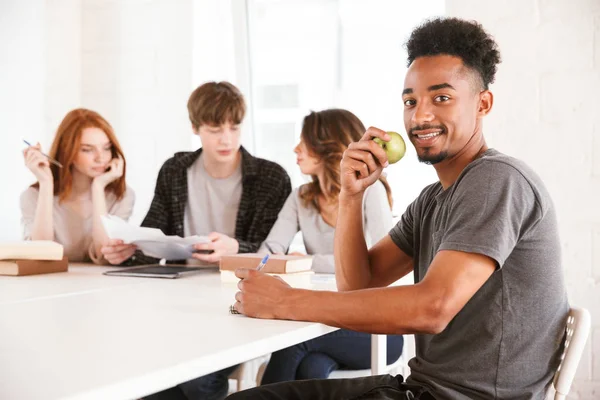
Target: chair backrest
(578,329)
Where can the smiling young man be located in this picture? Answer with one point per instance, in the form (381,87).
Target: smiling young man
(219,191)
(482,244)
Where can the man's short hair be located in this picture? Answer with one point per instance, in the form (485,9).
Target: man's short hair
(456,37)
(216,103)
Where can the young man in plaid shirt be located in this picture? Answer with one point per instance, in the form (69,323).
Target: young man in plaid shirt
(219,191)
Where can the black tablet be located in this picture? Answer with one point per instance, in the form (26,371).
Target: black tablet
(158,271)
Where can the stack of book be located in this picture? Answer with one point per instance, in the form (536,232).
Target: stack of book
(295,270)
(31,257)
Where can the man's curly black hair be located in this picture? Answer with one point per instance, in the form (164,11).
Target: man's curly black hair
(456,37)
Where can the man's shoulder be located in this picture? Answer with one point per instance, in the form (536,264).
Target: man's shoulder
(495,165)
(179,161)
(500,160)
(497,169)
(429,192)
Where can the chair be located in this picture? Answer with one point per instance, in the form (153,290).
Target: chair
(245,374)
(238,375)
(378,347)
(578,329)
(378,359)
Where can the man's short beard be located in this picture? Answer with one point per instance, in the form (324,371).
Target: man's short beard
(432,159)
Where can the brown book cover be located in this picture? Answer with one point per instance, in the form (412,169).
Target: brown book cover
(277,264)
(32,267)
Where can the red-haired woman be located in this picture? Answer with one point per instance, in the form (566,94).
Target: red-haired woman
(66,203)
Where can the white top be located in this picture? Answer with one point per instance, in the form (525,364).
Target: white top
(213,203)
(83,335)
(71,229)
(318,235)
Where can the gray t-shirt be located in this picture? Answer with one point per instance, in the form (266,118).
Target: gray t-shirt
(506,341)
(213,203)
(318,235)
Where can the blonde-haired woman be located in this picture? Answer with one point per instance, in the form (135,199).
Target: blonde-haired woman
(65,204)
(312,209)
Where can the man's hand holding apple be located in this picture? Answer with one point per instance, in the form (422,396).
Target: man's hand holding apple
(362,163)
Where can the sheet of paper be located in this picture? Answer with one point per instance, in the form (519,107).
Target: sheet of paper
(151,241)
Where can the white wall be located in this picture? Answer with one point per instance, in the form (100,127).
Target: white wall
(547,113)
(62,41)
(22,77)
(129,60)
(137,72)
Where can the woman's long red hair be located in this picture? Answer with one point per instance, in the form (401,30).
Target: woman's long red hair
(66,145)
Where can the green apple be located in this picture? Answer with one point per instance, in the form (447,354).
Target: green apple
(394,149)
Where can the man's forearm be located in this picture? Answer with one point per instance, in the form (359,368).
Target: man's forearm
(350,249)
(392,310)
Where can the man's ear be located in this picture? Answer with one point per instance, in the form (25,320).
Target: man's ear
(486,101)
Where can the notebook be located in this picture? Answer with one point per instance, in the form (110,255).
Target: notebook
(277,264)
(158,271)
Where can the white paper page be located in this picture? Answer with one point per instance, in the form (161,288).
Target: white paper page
(151,241)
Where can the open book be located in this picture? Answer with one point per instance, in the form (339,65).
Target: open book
(151,241)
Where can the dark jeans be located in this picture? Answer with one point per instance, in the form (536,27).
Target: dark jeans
(317,358)
(380,387)
(208,387)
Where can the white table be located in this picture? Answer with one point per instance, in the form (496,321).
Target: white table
(82,335)
(80,279)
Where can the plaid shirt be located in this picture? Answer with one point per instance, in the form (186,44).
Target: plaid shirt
(265,187)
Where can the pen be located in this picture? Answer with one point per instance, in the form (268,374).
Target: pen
(263,262)
(52,160)
(260,266)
